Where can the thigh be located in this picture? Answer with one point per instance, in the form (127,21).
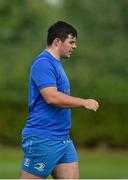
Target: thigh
(41,156)
(68,166)
(66,171)
(26,175)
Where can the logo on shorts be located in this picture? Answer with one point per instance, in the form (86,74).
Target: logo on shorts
(26,162)
(39,166)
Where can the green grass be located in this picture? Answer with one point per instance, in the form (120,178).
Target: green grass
(93,164)
(105,165)
(10,162)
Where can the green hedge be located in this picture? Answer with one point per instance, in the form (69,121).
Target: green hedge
(106,126)
(12,117)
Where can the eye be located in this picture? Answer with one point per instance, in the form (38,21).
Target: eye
(72,42)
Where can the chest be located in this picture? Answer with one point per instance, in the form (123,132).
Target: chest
(62,80)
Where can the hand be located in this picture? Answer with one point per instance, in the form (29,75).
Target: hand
(90,104)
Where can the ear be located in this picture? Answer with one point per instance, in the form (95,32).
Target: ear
(57,42)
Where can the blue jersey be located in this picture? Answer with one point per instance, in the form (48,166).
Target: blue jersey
(46,120)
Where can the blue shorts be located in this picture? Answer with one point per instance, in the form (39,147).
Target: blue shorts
(41,155)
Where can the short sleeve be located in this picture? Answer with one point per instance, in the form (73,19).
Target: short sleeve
(43,74)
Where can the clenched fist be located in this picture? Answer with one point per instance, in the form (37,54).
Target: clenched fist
(90,104)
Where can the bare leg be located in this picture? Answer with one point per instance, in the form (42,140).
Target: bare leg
(66,171)
(26,175)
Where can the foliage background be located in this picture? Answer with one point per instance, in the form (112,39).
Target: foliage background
(98,68)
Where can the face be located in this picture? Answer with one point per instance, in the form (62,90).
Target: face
(66,48)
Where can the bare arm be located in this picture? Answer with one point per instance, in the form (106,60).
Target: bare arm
(54,97)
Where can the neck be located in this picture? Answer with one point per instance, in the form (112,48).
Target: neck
(54,53)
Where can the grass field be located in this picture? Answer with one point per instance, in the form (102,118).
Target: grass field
(93,164)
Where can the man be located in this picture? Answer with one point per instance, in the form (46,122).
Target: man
(46,143)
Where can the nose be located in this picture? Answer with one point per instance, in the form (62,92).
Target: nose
(74,46)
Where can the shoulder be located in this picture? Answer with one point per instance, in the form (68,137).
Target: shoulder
(42,62)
